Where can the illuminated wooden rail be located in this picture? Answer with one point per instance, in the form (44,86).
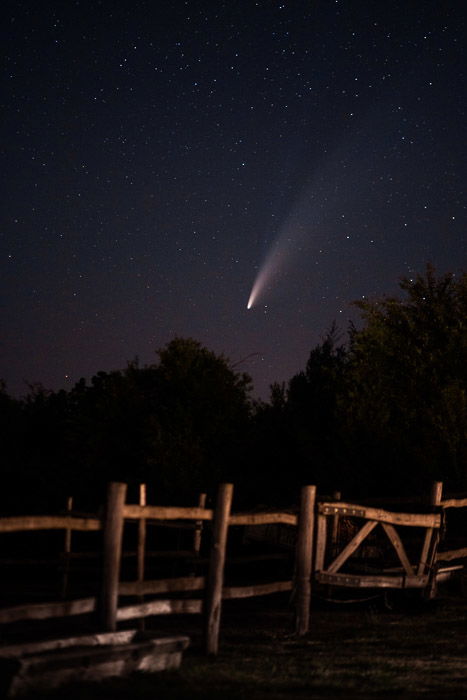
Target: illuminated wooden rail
(323,562)
(49,522)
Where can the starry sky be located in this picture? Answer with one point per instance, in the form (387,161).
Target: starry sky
(159,157)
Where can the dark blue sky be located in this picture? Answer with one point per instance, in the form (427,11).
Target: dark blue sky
(155,153)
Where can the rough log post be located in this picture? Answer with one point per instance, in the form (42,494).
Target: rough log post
(304,558)
(199,526)
(112,554)
(141,534)
(435,500)
(67,549)
(141,549)
(215,581)
(335,526)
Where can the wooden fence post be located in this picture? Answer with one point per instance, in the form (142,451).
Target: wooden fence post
(335,525)
(141,534)
(112,554)
(141,549)
(67,549)
(199,526)
(435,500)
(304,558)
(215,580)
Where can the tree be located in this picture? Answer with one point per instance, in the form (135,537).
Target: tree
(406,404)
(202,416)
(299,432)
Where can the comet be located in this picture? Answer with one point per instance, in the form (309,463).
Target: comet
(268,271)
(287,244)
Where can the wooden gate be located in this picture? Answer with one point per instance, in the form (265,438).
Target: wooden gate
(418,573)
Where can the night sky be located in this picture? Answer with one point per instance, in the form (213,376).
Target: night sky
(159,157)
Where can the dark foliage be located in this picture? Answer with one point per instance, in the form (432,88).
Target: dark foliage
(385,413)
(176,424)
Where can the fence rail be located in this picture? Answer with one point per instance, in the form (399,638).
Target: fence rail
(316,558)
(49,522)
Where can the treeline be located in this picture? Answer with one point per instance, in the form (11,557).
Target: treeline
(382,410)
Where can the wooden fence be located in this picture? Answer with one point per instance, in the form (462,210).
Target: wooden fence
(212,588)
(317,555)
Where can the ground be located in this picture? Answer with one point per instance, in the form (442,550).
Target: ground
(381,648)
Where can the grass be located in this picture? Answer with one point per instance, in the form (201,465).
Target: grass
(351,651)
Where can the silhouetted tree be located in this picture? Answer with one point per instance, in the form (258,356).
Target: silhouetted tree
(298,432)
(179,424)
(406,405)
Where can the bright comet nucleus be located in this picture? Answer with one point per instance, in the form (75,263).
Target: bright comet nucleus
(269,270)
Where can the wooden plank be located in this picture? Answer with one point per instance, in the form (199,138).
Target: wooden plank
(44,611)
(141,549)
(447,572)
(48,522)
(399,547)
(82,640)
(186,583)
(434,499)
(49,670)
(431,565)
(304,557)
(135,512)
(452,554)
(263,519)
(382,516)
(141,545)
(350,548)
(357,581)
(321,537)
(454,503)
(335,525)
(159,607)
(67,550)
(112,554)
(215,580)
(199,525)
(230,592)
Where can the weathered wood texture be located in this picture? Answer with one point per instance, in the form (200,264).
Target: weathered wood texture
(47,670)
(321,542)
(141,545)
(159,607)
(112,550)
(213,601)
(304,557)
(350,548)
(263,519)
(382,516)
(169,585)
(229,592)
(431,563)
(67,550)
(135,512)
(454,503)
(48,522)
(335,524)
(199,525)
(87,640)
(452,554)
(396,542)
(430,540)
(43,611)
(362,581)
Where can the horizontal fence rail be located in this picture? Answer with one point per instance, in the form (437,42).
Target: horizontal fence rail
(49,522)
(134,512)
(382,516)
(454,503)
(311,558)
